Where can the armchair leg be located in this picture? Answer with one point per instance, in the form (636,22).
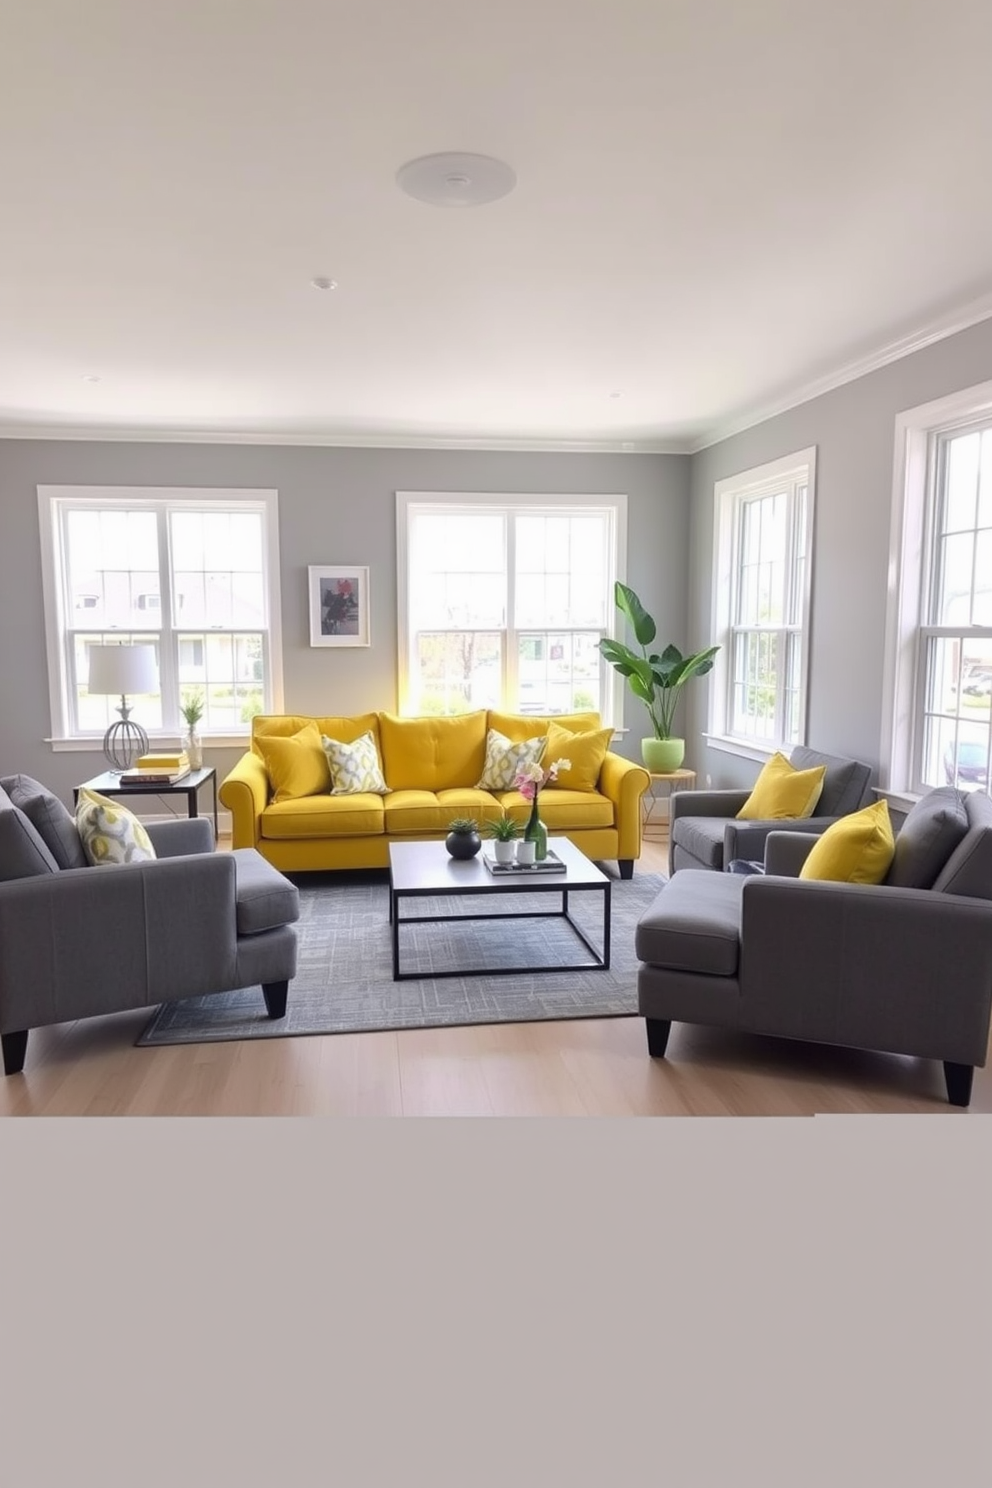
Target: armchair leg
(626,866)
(958,1078)
(275,994)
(658,1031)
(15,1046)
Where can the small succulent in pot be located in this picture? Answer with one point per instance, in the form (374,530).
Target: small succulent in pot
(463,840)
(503,831)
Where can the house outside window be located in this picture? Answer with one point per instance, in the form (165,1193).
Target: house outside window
(193,572)
(939,631)
(503,601)
(763,533)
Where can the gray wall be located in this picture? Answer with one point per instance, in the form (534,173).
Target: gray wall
(853,428)
(335,505)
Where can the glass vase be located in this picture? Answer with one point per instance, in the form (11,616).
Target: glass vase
(193,745)
(536,832)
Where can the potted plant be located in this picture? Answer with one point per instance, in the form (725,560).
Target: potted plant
(655,679)
(503,831)
(463,840)
(191,708)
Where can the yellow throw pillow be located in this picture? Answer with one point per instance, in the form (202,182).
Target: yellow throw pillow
(585,752)
(857,849)
(297,765)
(783,793)
(109,832)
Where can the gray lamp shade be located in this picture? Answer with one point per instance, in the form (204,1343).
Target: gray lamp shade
(123,671)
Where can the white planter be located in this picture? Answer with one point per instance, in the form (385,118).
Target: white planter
(526,852)
(504,852)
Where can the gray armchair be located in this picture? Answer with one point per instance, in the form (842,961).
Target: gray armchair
(704,831)
(77,941)
(903,967)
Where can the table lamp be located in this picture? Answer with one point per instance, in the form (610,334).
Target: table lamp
(123,670)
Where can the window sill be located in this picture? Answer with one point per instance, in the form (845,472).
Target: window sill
(744,749)
(903,801)
(93,745)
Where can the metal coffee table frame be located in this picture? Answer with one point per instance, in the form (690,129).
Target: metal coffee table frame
(419,870)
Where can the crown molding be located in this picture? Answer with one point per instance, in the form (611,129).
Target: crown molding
(143,435)
(938,329)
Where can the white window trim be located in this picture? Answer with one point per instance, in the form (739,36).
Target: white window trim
(907,575)
(136,496)
(500,501)
(726,493)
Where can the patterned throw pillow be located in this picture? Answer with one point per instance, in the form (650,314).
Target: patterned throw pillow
(110,833)
(504,760)
(354,767)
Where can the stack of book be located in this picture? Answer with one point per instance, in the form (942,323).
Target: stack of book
(165,768)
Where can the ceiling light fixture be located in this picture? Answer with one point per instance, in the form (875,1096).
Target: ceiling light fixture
(90,377)
(451,179)
(322,282)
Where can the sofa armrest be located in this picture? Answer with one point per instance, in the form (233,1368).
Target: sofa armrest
(96,940)
(181,838)
(873,967)
(623,782)
(245,793)
(746,839)
(786,852)
(705,803)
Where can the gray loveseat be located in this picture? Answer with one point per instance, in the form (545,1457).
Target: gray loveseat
(77,941)
(705,832)
(903,967)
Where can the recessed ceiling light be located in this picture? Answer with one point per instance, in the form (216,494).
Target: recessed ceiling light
(451,179)
(322,282)
(89,377)
(614,395)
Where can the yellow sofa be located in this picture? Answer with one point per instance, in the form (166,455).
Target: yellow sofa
(431,766)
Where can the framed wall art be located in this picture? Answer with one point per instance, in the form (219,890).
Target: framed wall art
(339,605)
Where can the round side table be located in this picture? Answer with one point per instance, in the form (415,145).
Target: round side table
(655,825)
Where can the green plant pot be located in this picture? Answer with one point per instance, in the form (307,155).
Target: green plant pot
(662,756)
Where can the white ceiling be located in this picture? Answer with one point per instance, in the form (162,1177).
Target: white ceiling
(719,204)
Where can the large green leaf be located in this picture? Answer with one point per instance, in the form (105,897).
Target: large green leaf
(636,615)
(619,656)
(694,666)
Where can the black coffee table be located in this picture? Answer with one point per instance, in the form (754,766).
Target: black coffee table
(417,869)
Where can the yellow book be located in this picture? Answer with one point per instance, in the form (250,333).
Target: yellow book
(163,761)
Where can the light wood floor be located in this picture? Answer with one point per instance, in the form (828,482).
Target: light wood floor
(595,1067)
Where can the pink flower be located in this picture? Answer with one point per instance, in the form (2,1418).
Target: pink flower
(532,778)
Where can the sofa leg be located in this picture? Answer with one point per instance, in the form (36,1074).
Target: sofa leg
(658,1031)
(626,866)
(958,1078)
(15,1046)
(275,994)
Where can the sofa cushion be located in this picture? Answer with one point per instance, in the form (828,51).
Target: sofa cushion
(354,767)
(50,817)
(702,836)
(858,849)
(524,725)
(845,783)
(783,793)
(23,853)
(585,750)
(506,757)
(111,834)
(295,764)
(411,811)
(282,725)
(322,816)
(433,754)
(694,924)
(968,870)
(265,898)
(930,833)
(562,810)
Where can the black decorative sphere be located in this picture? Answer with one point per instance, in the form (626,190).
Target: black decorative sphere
(463,844)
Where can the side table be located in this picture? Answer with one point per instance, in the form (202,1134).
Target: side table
(654,825)
(109,784)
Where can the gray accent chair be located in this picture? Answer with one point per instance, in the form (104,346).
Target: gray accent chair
(704,831)
(78,941)
(903,967)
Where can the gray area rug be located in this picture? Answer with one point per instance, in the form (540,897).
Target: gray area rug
(344,982)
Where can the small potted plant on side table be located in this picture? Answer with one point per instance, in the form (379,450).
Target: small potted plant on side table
(503,832)
(191,708)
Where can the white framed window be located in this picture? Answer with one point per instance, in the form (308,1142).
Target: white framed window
(938,657)
(763,536)
(502,602)
(194,572)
